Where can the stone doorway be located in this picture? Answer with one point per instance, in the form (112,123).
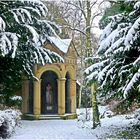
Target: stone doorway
(49,93)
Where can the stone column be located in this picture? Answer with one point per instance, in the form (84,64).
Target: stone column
(25,96)
(37,98)
(61,96)
(73,95)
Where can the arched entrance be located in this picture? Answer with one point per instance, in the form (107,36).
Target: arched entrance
(49,93)
(67,94)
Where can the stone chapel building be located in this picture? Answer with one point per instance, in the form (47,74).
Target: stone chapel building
(54,94)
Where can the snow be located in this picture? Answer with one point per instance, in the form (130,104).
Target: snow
(72,129)
(34,34)
(119,38)
(109,41)
(51,129)
(78,82)
(62,44)
(137,61)
(95,66)
(107,31)
(26,12)
(9,119)
(109,72)
(114,45)
(16,98)
(21,15)
(137,5)
(109,35)
(92,75)
(30,16)
(34,10)
(103,72)
(119,50)
(131,83)
(38,5)
(56,26)
(130,35)
(47,58)
(2,24)
(8,42)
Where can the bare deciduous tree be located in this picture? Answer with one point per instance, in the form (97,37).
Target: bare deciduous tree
(78,19)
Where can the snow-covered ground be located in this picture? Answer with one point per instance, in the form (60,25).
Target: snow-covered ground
(71,129)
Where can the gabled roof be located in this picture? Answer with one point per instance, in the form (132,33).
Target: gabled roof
(62,44)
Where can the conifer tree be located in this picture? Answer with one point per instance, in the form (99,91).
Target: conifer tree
(23,32)
(118,68)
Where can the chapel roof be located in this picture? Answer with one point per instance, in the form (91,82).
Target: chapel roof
(62,44)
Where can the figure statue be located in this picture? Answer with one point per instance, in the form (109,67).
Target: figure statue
(49,97)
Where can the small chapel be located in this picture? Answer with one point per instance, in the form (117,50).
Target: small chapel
(54,93)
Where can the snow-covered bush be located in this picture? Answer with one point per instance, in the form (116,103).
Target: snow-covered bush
(16,101)
(9,119)
(107,114)
(118,69)
(84,115)
(137,115)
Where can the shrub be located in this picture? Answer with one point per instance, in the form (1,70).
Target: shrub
(9,119)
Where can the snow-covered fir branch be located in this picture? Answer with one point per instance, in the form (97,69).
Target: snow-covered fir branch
(120,50)
(24,30)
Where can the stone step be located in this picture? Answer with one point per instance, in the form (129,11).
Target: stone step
(49,117)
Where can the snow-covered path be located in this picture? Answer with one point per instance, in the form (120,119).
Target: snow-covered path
(71,129)
(68,129)
(52,129)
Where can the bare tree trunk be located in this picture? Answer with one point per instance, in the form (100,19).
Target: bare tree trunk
(80,96)
(88,29)
(89,53)
(96,120)
(82,74)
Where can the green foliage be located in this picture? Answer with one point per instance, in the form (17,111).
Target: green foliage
(118,68)
(23,32)
(131,132)
(86,98)
(116,8)
(10,78)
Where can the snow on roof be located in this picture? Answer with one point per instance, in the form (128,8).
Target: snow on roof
(62,44)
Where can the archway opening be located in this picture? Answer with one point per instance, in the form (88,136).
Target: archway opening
(49,93)
(67,94)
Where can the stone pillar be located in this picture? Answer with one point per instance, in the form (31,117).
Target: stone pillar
(61,96)
(73,95)
(25,96)
(37,98)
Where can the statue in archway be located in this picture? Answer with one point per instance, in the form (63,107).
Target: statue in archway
(49,97)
